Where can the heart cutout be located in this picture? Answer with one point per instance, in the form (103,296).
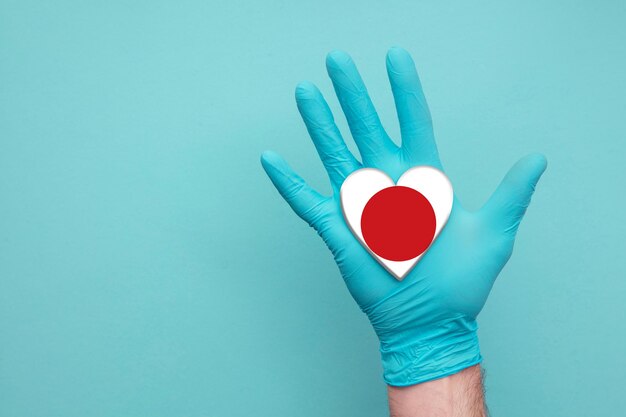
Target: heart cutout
(397,222)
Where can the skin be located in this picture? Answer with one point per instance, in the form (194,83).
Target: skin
(458,395)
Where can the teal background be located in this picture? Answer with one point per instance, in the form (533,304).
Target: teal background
(149,268)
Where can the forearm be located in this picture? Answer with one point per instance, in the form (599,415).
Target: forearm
(458,395)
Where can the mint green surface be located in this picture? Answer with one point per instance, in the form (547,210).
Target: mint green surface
(148,268)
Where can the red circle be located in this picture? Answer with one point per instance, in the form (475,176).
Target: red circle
(398,223)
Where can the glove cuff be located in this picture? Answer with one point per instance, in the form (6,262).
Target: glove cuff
(444,350)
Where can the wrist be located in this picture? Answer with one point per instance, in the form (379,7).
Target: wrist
(421,355)
(458,395)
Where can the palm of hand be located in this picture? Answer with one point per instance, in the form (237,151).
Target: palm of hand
(455,275)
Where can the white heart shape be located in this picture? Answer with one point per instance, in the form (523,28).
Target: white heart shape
(361,185)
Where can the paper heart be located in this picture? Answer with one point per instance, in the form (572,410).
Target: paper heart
(397,222)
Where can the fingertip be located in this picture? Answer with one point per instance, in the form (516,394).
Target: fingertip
(337,58)
(540,160)
(510,200)
(269,158)
(306,90)
(537,163)
(399,56)
(402,71)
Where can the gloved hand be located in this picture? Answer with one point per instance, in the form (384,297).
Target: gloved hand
(426,323)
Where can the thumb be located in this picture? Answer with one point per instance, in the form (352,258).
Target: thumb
(509,202)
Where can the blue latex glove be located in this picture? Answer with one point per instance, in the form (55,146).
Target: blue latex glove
(426,323)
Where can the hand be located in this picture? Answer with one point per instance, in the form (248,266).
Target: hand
(426,323)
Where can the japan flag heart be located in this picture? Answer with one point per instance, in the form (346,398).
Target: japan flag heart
(397,223)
